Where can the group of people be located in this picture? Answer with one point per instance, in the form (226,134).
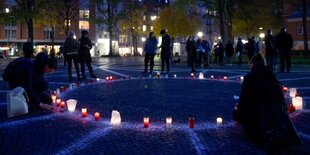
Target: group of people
(78,52)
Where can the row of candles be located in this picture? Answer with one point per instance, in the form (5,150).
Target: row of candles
(297,102)
(116,118)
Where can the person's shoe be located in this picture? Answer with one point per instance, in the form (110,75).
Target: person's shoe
(93,76)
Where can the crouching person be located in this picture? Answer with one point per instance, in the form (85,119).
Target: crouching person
(262,111)
(29,74)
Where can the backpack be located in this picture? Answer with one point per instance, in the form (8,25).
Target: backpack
(8,73)
(17,102)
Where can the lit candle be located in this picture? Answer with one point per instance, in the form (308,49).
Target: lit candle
(97,116)
(219,77)
(212,77)
(78,83)
(146,122)
(175,76)
(191,122)
(201,76)
(84,112)
(92,81)
(297,103)
(64,87)
(168,120)
(114,77)
(293,92)
(71,104)
(58,102)
(107,78)
(192,75)
(219,121)
(62,104)
(284,89)
(225,78)
(98,80)
(111,78)
(241,78)
(57,91)
(54,98)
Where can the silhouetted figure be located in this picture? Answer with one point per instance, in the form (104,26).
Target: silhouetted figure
(239,51)
(262,111)
(270,44)
(251,48)
(229,49)
(207,48)
(200,50)
(165,51)
(71,47)
(150,49)
(221,52)
(192,54)
(84,54)
(188,51)
(284,43)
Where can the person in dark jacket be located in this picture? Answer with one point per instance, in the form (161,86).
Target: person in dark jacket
(221,52)
(229,49)
(165,50)
(84,54)
(200,50)
(284,43)
(206,46)
(251,48)
(192,54)
(29,75)
(188,50)
(262,111)
(71,47)
(270,44)
(28,49)
(239,50)
(150,52)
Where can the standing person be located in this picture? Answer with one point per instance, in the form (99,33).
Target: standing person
(84,54)
(193,54)
(207,48)
(200,50)
(221,52)
(239,49)
(188,50)
(284,43)
(262,111)
(150,52)
(251,48)
(165,51)
(270,44)
(61,53)
(29,74)
(229,49)
(28,49)
(71,47)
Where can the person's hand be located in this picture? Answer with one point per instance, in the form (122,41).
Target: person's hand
(45,106)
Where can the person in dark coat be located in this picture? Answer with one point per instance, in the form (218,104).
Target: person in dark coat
(221,52)
(150,52)
(270,44)
(29,75)
(200,50)
(251,48)
(284,43)
(192,54)
(206,46)
(239,50)
(229,49)
(84,54)
(28,49)
(188,50)
(165,50)
(71,47)
(261,110)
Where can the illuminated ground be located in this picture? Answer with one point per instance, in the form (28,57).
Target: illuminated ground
(54,132)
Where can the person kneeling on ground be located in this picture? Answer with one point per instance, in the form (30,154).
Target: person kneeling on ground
(262,111)
(29,75)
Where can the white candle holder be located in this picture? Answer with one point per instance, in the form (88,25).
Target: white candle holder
(71,104)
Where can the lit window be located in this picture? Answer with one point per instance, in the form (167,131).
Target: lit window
(123,38)
(69,23)
(152,28)
(144,18)
(84,13)
(83,24)
(144,27)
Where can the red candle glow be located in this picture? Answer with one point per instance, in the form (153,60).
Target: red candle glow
(191,122)
(78,83)
(58,102)
(84,112)
(192,75)
(212,77)
(219,77)
(225,78)
(114,77)
(124,77)
(111,78)
(54,98)
(97,116)
(65,88)
(92,81)
(107,78)
(146,122)
(62,104)
(284,89)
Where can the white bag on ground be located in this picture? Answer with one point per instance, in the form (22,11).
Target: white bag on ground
(17,102)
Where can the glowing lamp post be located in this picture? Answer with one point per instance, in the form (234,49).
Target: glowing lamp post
(200,34)
(175,76)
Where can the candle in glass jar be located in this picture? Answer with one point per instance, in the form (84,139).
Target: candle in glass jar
(146,122)
(58,102)
(284,89)
(212,77)
(62,104)
(241,78)
(54,98)
(225,78)
(175,76)
(168,120)
(192,75)
(219,121)
(84,112)
(97,116)
(191,122)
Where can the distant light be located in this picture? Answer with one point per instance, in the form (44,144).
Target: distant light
(199,34)
(74,37)
(260,28)
(143,27)
(219,38)
(143,39)
(244,41)
(262,35)
(7,10)
(153,17)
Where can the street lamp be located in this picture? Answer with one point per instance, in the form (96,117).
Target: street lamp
(262,35)
(153,18)
(7,10)
(143,39)
(199,34)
